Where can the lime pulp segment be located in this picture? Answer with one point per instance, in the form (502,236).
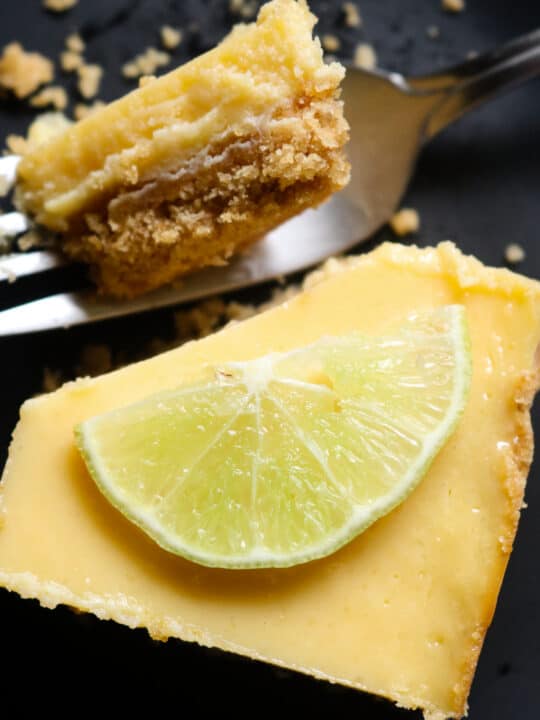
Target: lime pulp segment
(280,460)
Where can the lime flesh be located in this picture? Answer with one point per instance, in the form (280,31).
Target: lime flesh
(281,460)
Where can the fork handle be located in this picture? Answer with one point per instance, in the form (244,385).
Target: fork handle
(471,83)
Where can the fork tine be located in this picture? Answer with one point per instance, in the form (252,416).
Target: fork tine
(21,264)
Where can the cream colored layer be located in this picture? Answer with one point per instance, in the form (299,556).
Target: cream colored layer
(256,67)
(402,610)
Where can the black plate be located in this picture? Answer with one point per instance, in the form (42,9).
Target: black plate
(478,184)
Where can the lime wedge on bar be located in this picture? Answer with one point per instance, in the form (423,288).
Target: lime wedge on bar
(283,459)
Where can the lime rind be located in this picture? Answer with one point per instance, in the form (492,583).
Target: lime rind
(251,382)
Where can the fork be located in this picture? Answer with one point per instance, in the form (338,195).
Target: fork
(391,117)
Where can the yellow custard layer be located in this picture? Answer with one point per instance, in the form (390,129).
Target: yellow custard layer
(402,610)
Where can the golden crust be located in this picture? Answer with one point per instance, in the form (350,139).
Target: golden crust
(226,197)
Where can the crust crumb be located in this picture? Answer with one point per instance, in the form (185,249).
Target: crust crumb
(352,17)
(71,61)
(53,95)
(89,80)
(405,222)
(453,6)
(365,56)
(75,43)
(23,72)
(330,43)
(247,9)
(514,254)
(170,37)
(59,5)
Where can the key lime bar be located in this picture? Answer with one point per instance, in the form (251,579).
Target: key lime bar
(403,609)
(200,163)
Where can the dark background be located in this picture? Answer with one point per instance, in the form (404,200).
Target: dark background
(477,184)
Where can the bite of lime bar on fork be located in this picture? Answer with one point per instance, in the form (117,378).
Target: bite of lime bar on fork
(196,165)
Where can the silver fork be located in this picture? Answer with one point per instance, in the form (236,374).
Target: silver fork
(391,118)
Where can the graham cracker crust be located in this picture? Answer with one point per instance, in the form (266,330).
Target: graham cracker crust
(245,183)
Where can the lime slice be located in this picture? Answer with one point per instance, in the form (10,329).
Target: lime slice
(283,459)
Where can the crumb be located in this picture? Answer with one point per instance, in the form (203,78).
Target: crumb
(146,80)
(53,95)
(365,57)
(472,55)
(453,6)
(70,61)
(352,15)
(170,37)
(82,111)
(22,72)
(146,63)
(89,80)
(59,5)
(514,254)
(405,222)
(75,43)
(16,144)
(52,379)
(433,32)
(330,43)
(245,8)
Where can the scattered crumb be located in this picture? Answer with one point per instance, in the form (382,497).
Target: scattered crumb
(52,379)
(352,15)
(405,222)
(22,72)
(170,37)
(59,5)
(71,61)
(472,54)
(82,111)
(75,43)
(453,6)
(245,8)
(330,43)
(433,32)
(53,95)
(89,80)
(514,254)
(365,56)
(146,63)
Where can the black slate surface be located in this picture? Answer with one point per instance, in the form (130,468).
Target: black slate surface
(477,184)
